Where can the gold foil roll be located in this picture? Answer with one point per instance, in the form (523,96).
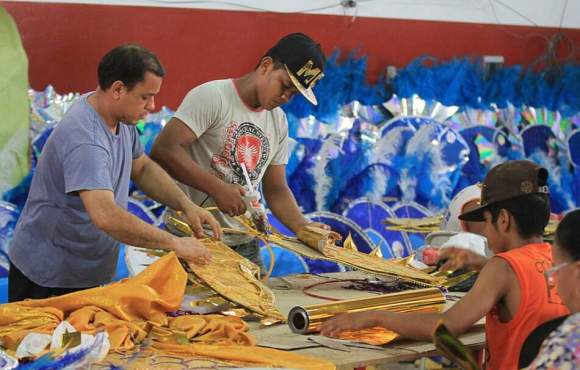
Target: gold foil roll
(308,319)
(318,238)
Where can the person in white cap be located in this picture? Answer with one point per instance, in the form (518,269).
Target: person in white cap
(457,235)
(464,201)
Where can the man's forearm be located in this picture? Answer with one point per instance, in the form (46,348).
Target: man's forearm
(480,264)
(157,184)
(283,205)
(129,229)
(418,326)
(180,166)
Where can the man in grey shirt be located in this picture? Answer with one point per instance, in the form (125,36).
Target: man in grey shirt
(68,235)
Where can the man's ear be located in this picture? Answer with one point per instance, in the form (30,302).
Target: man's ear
(265,64)
(504,220)
(117,89)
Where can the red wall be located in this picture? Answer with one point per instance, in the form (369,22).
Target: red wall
(64,42)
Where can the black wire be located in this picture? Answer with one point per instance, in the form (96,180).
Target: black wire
(203,202)
(563,13)
(502,25)
(549,58)
(515,11)
(244,6)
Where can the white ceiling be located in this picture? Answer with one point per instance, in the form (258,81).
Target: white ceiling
(545,13)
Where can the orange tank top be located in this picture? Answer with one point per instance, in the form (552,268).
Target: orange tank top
(537,305)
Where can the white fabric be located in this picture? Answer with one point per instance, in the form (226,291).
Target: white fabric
(32,344)
(473,242)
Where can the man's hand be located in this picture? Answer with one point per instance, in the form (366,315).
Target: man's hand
(348,321)
(191,250)
(459,258)
(197,217)
(229,200)
(320,225)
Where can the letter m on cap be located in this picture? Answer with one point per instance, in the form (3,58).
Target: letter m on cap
(309,74)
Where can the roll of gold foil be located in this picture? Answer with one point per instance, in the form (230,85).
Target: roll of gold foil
(308,319)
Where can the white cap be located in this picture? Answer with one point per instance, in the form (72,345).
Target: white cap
(451,221)
(473,242)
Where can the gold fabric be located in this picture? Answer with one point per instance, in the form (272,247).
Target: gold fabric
(150,358)
(377,336)
(415,225)
(318,238)
(320,244)
(236,278)
(428,225)
(201,356)
(358,260)
(233,276)
(243,356)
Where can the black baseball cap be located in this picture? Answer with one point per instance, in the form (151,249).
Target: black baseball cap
(303,59)
(511,179)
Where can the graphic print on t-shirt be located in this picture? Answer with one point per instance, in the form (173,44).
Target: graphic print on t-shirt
(244,143)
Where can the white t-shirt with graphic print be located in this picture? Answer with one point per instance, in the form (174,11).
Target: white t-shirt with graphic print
(230,133)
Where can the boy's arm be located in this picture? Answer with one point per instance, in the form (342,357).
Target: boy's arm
(280,199)
(157,184)
(491,286)
(459,258)
(169,150)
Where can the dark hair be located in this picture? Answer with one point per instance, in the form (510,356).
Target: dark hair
(127,63)
(568,234)
(531,213)
(277,63)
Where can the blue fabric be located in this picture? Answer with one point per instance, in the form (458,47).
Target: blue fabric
(286,262)
(3,290)
(122,272)
(370,216)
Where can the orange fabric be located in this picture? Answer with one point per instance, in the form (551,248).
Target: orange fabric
(135,309)
(505,340)
(245,355)
(148,296)
(122,334)
(16,322)
(125,309)
(208,329)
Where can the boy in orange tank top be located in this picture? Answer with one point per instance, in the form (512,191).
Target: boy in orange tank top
(511,288)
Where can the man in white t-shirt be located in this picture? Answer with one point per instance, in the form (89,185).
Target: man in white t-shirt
(223,124)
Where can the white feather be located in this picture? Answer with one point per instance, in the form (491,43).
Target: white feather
(330,150)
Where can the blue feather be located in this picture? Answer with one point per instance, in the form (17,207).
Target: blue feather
(48,362)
